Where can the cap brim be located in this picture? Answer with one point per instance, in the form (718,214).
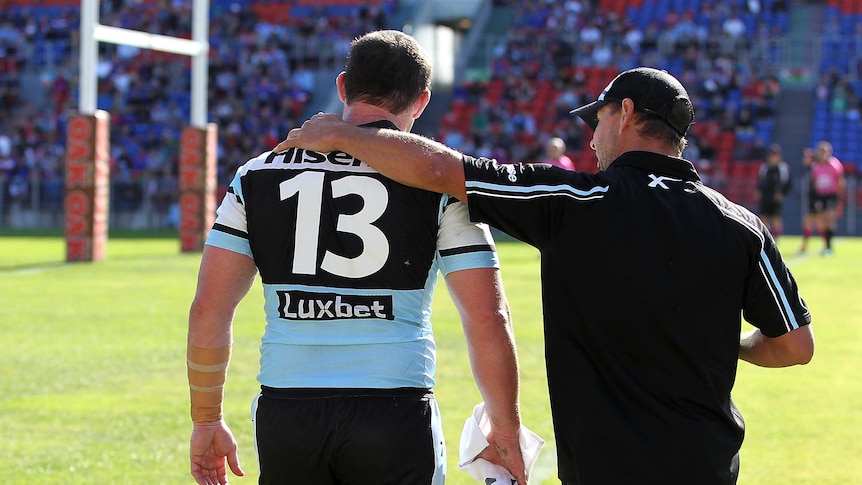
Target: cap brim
(588,113)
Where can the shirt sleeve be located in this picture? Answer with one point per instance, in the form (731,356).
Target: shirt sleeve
(530,202)
(462,244)
(230,230)
(772,301)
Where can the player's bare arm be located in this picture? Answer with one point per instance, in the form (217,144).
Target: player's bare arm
(479,297)
(224,279)
(793,348)
(404,157)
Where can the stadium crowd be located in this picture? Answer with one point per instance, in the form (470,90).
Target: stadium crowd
(261,79)
(262,76)
(557,52)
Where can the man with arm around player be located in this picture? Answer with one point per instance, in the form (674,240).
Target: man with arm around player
(642,327)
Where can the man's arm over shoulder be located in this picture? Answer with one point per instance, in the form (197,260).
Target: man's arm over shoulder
(407,158)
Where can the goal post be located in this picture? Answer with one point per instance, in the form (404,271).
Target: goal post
(86,242)
(87,186)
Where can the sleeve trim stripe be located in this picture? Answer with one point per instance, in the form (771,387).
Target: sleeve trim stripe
(534,191)
(229,230)
(778,292)
(478,248)
(768,272)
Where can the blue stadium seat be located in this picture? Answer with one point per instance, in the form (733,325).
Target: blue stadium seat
(42,11)
(105,101)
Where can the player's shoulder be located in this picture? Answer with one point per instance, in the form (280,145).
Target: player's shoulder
(257,162)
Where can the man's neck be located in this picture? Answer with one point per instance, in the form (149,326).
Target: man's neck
(362,113)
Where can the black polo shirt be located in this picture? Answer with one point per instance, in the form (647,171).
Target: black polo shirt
(646,273)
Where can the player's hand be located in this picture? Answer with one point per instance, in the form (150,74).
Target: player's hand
(314,134)
(505,450)
(212,444)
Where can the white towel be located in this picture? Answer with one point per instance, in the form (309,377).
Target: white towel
(473,441)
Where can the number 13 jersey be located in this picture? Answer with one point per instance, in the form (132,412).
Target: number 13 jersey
(348,260)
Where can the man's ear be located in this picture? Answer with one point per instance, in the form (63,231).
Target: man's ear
(339,84)
(421,103)
(627,112)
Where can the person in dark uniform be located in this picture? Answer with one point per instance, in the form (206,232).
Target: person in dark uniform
(773,184)
(642,329)
(349,260)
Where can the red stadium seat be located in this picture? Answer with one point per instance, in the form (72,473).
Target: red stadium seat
(277,12)
(358,3)
(849,6)
(619,6)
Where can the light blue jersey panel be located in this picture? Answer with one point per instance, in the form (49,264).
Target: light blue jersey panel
(306,351)
(351,336)
(229,241)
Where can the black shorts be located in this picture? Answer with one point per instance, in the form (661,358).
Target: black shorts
(770,207)
(821,203)
(348,436)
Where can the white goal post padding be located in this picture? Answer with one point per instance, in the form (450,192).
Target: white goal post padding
(198,48)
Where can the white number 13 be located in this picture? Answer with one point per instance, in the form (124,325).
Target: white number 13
(308,187)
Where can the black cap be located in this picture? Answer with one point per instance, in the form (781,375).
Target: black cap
(653,91)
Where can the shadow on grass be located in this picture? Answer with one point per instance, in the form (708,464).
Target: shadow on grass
(31,267)
(36,266)
(122,245)
(112,234)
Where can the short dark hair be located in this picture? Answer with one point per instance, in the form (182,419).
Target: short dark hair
(651,126)
(386,68)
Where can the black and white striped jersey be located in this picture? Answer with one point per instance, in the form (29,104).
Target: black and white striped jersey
(349,261)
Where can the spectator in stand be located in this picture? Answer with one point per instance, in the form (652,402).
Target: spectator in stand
(839,100)
(688,42)
(734,28)
(246,48)
(744,123)
(5,146)
(853,107)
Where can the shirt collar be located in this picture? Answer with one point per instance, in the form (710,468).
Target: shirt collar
(380,124)
(656,162)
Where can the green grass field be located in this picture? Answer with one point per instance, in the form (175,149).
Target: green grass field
(93,387)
